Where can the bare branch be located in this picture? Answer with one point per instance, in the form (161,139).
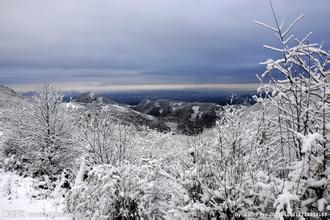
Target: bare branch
(292,24)
(265,25)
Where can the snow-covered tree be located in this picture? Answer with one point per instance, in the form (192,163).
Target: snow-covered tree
(102,139)
(298,92)
(42,134)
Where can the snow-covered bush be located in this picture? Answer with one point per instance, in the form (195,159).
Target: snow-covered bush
(9,155)
(103,140)
(219,175)
(126,191)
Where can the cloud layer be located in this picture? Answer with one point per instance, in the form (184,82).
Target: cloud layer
(145,41)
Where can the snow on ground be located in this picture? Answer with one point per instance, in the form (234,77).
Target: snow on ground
(71,105)
(172,125)
(116,108)
(17,200)
(2,138)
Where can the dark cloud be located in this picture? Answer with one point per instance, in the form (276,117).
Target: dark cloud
(145,41)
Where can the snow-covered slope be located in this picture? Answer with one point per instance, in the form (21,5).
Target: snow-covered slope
(18,200)
(190,117)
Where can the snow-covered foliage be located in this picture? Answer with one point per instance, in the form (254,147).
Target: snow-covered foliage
(102,139)
(265,160)
(126,191)
(299,101)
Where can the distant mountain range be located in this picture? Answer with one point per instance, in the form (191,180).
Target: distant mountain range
(180,111)
(221,97)
(185,117)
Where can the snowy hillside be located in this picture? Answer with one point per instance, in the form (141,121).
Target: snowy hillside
(163,159)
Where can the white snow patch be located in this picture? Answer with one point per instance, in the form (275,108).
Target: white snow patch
(172,125)
(327,126)
(120,108)
(317,183)
(283,202)
(116,108)
(309,141)
(71,105)
(150,117)
(195,113)
(17,200)
(80,175)
(321,203)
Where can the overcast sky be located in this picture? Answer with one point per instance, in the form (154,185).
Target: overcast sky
(145,41)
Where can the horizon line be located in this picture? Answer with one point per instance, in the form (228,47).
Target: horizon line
(102,87)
